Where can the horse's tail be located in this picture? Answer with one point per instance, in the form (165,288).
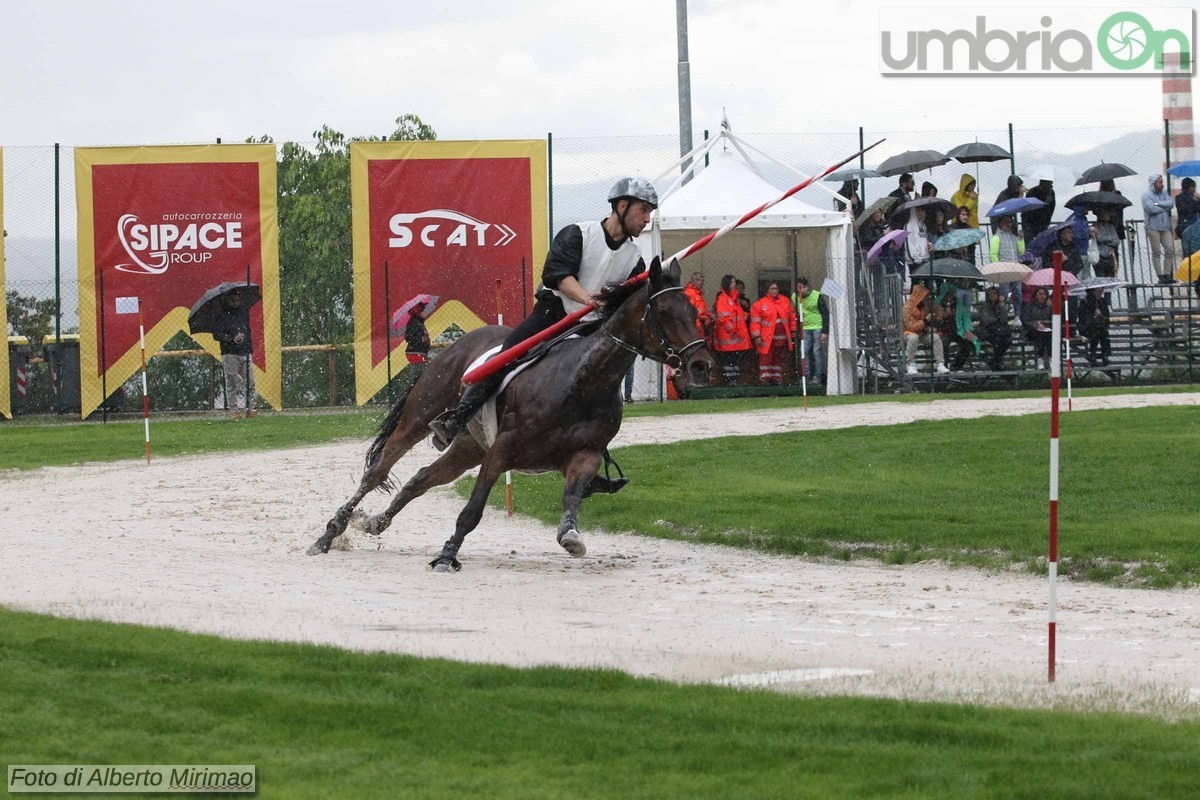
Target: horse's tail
(386,429)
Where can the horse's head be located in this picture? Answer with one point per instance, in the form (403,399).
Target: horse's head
(660,324)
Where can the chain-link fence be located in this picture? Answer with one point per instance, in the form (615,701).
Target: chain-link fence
(318,355)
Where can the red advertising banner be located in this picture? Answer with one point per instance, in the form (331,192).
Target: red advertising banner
(449,219)
(165,225)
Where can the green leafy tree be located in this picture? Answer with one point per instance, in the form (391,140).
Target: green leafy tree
(30,317)
(316,254)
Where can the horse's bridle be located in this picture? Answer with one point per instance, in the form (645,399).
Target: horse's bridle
(673,359)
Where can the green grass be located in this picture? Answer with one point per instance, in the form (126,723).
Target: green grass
(966,491)
(322,722)
(26,444)
(735,404)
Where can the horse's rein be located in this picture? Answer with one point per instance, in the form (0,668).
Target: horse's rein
(670,354)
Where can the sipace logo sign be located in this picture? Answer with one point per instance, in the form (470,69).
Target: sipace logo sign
(1036,41)
(165,225)
(441,227)
(152,248)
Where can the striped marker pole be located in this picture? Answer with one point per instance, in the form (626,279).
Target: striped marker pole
(803,366)
(145,391)
(1055,354)
(508,496)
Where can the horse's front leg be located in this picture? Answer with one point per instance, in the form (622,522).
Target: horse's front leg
(576,476)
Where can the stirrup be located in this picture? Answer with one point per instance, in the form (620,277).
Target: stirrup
(601,485)
(445,428)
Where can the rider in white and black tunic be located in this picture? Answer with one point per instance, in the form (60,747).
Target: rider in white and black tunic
(582,259)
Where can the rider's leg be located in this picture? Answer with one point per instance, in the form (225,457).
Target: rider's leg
(546,312)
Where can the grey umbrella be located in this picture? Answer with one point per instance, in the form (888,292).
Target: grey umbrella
(973,152)
(852,175)
(911,161)
(1091,200)
(1104,172)
(209,307)
(947,268)
(883,203)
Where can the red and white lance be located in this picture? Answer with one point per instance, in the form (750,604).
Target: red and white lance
(506,357)
(1055,355)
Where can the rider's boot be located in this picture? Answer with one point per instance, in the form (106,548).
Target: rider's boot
(448,425)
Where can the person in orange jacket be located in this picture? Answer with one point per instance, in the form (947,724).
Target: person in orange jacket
(695,295)
(773,329)
(730,336)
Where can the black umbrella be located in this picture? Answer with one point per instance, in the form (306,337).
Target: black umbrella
(947,268)
(1104,172)
(855,174)
(973,152)
(921,202)
(210,307)
(911,161)
(1090,200)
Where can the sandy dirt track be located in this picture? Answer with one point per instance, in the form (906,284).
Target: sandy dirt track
(216,544)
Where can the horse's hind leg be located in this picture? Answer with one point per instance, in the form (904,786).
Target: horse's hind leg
(376,474)
(493,465)
(461,456)
(576,476)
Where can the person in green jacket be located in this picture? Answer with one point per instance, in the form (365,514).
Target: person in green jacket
(1007,246)
(813,310)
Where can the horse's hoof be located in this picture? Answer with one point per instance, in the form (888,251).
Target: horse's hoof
(317,549)
(376,525)
(571,542)
(445,564)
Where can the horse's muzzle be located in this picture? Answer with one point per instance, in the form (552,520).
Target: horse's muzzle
(700,369)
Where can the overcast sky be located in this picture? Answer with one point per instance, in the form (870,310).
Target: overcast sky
(138,72)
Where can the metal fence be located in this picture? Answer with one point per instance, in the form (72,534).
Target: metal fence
(318,369)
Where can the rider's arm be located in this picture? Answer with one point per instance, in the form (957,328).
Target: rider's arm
(564,257)
(570,287)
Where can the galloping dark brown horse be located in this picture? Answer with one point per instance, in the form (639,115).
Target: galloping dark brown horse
(558,415)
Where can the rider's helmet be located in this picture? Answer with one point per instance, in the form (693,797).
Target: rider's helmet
(634,189)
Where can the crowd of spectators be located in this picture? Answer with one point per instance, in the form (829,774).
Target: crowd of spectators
(942,315)
(767,330)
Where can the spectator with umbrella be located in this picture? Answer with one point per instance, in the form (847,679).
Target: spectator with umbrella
(1037,324)
(224,311)
(410,318)
(993,326)
(1187,207)
(967,197)
(1156,207)
(1118,206)
(1108,241)
(954,324)
(1008,247)
(849,190)
(1062,239)
(1038,219)
(1014,189)
(928,189)
(917,246)
(904,191)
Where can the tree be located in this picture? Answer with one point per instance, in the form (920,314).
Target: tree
(315,247)
(30,317)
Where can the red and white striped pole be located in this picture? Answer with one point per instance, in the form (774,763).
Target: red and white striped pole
(508,496)
(506,357)
(803,367)
(1055,354)
(145,391)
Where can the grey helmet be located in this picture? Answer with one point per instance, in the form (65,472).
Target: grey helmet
(635,188)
